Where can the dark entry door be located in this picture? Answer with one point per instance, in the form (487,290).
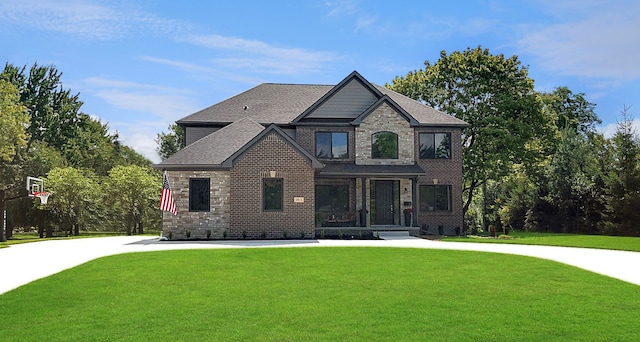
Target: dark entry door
(384,197)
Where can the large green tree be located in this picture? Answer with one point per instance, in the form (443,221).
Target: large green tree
(73,195)
(13,119)
(495,96)
(54,112)
(133,192)
(624,180)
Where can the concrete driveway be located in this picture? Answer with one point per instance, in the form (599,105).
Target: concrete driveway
(24,263)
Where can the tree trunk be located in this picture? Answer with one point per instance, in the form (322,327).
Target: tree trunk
(3,213)
(9,231)
(140,230)
(76,230)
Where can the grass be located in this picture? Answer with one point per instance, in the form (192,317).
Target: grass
(567,240)
(321,294)
(18,238)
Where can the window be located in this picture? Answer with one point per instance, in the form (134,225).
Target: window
(272,194)
(331,145)
(384,145)
(199,194)
(332,198)
(435,197)
(435,146)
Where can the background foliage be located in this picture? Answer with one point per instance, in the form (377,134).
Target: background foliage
(45,134)
(532,160)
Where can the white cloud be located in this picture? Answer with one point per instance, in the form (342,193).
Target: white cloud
(258,56)
(596,39)
(85,19)
(141,137)
(199,71)
(342,8)
(140,111)
(165,103)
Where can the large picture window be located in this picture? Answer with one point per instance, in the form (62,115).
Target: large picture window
(435,145)
(435,197)
(332,198)
(272,191)
(331,145)
(199,194)
(384,145)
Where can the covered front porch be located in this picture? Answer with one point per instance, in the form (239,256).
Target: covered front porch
(376,197)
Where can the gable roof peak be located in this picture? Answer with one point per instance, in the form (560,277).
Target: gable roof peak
(268,130)
(336,89)
(393,104)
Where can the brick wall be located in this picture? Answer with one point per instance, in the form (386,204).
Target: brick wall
(442,172)
(198,224)
(272,154)
(384,118)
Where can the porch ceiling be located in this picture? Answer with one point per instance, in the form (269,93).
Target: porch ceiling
(354,170)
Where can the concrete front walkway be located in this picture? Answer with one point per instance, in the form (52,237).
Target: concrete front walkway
(24,263)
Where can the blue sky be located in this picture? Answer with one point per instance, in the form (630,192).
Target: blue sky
(139,65)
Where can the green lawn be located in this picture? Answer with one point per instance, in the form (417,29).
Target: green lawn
(34,237)
(322,294)
(553,239)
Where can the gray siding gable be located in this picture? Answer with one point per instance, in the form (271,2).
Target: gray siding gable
(347,103)
(347,100)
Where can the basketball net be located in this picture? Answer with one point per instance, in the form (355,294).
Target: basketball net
(43,196)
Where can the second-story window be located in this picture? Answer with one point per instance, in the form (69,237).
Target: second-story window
(331,145)
(435,146)
(384,145)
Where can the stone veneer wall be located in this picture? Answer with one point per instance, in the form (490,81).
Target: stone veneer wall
(442,172)
(272,154)
(385,118)
(198,224)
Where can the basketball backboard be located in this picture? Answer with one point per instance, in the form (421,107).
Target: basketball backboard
(34,185)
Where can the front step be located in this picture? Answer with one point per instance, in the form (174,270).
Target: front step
(392,235)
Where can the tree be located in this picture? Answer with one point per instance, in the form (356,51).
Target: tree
(570,111)
(170,143)
(624,180)
(495,96)
(13,119)
(134,193)
(73,192)
(568,181)
(53,111)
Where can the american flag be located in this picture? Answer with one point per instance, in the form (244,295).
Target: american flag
(166,199)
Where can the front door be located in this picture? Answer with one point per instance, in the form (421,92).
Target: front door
(384,195)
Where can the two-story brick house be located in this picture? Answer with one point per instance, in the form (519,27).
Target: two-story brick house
(280,159)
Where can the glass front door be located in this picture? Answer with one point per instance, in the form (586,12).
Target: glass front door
(385,199)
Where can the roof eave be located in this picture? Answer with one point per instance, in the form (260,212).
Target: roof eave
(188,167)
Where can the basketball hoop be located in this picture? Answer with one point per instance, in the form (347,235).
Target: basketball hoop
(43,196)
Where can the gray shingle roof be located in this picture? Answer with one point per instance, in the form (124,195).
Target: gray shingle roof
(282,103)
(216,147)
(267,103)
